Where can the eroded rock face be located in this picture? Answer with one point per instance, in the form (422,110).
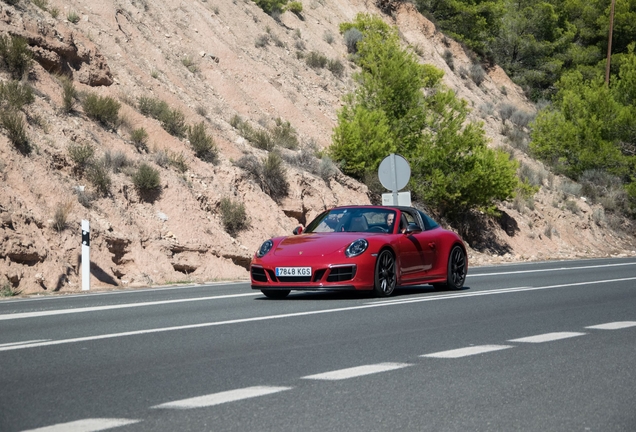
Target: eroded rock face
(59,50)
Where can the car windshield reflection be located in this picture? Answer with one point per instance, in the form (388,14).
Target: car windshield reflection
(354,220)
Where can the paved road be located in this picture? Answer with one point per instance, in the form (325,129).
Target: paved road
(531,347)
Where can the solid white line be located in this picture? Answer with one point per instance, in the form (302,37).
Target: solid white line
(222,397)
(289,315)
(464,352)
(552,269)
(492,292)
(118,306)
(87,425)
(547,337)
(613,325)
(356,371)
(23,342)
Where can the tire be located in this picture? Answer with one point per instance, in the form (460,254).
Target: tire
(385,278)
(275,294)
(456,268)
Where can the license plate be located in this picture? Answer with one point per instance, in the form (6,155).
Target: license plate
(293,271)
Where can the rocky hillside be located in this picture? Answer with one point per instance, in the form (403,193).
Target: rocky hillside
(216,62)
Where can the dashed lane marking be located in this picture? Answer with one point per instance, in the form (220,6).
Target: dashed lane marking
(86,425)
(222,397)
(613,325)
(468,351)
(356,371)
(547,337)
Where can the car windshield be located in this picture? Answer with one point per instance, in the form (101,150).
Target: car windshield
(354,220)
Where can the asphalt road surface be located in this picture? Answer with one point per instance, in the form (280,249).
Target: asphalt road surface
(530,347)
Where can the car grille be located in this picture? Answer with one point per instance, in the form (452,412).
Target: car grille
(258,274)
(294,278)
(339,274)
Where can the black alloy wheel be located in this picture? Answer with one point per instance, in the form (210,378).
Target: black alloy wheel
(456,268)
(385,275)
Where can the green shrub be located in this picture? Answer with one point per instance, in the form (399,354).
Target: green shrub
(328,169)
(328,37)
(98,176)
(55,12)
(449,59)
(81,155)
(13,123)
(139,137)
(506,111)
(116,162)
(61,215)
(189,63)
(6,290)
(274,177)
(477,74)
(69,94)
(73,17)
(233,216)
(173,122)
(316,60)
(153,107)
(285,135)
(146,178)
(102,109)
(252,165)
(42,4)
(178,161)
(352,36)
(15,95)
(202,143)
(271,7)
(261,41)
(336,67)
(16,55)
(295,7)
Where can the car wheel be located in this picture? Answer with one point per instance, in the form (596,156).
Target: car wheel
(385,277)
(456,268)
(276,294)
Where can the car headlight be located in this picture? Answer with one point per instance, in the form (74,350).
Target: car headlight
(265,247)
(356,248)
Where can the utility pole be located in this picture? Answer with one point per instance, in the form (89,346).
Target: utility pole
(609,44)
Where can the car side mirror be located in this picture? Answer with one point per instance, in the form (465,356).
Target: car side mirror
(298,230)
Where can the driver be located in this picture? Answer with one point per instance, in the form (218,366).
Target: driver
(390,221)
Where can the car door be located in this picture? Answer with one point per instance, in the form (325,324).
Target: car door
(416,248)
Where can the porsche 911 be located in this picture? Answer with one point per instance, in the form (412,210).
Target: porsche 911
(361,248)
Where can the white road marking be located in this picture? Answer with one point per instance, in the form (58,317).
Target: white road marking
(552,269)
(613,325)
(296,314)
(86,425)
(23,342)
(222,397)
(493,292)
(117,306)
(356,371)
(547,337)
(464,352)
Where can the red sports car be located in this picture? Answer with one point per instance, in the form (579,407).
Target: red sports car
(361,248)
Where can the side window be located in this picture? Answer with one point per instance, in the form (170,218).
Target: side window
(410,219)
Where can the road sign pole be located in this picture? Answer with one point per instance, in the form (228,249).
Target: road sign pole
(395,179)
(86,256)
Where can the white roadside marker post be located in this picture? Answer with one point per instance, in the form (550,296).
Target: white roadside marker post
(86,256)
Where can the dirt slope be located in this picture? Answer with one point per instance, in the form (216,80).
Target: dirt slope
(212,61)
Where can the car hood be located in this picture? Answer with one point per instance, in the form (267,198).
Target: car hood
(308,245)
